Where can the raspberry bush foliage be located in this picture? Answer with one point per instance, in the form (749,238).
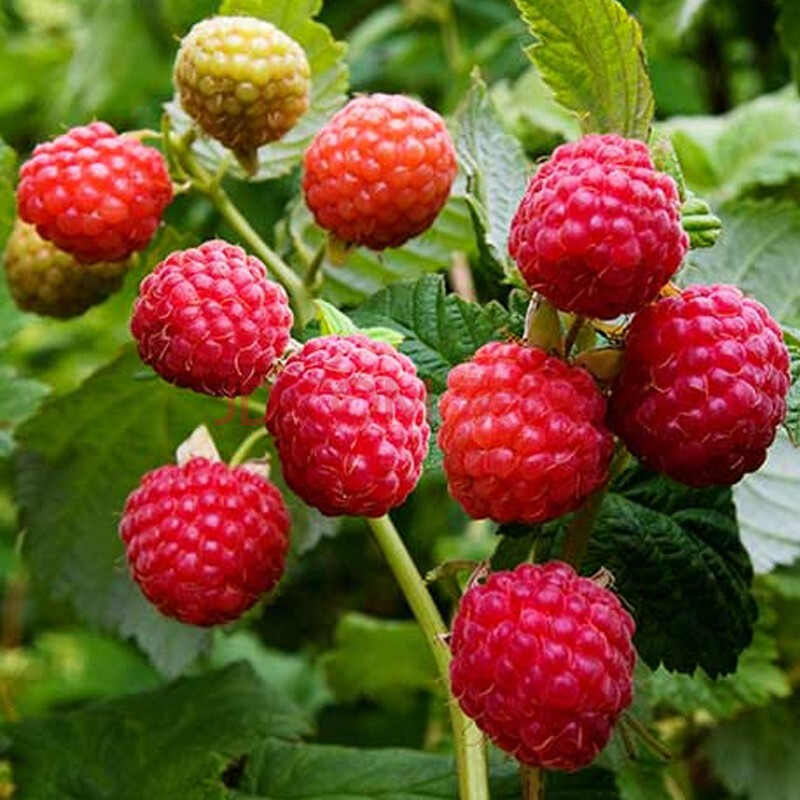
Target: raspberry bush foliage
(399,400)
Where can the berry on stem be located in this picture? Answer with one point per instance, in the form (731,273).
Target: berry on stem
(543,662)
(94,194)
(244,82)
(209,319)
(598,231)
(380,171)
(348,417)
(50,282)
(703,385)
(205,542)
(523,434)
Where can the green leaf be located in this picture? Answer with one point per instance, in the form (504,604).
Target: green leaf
(642,781)
(166,743)
(668,20)
(335,322)
(496,171)
(757,755)
(792,422)
(81,455)
(19,397)
(679,564)
(789,31)
(329,83)
(8,174)
(379,659)
(283,771)
(757,252)
(591,54)
(768,508)
(757,681)
(366,272)
(755,145)
(440,329)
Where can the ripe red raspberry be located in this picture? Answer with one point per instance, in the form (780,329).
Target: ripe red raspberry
(209,319)
(380,171)
(95,194)
(598,231)
(703,385)
(245,82)
(543,662)
(203,541)
(348,417)
(48,281)
(523,434)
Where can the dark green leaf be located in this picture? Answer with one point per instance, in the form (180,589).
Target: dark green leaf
(379,659)
(496,171)
(169,743)
(328,85)
(81,455)
(590,53)
(642,781)
(789,30)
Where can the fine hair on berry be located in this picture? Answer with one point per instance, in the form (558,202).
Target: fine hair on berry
(209,319)
(598,231)
(523,434)
(543,662)
(380,171)
(95,194)
(703,386)
(348,417)
(204,541)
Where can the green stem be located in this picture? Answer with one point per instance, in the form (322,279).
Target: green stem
(468,741)
(532,779)
(580,529)
(313,276)
(572,334)
(246,446)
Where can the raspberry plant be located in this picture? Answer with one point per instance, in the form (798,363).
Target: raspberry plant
(484,325)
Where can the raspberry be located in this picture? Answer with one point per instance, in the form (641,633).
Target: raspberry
(245,82)
(380,171)
(598,231)
(48,281)
(348,417)
(209,319)
(703,386)
(203,541)
(543,662)
(95,194)
(522,434)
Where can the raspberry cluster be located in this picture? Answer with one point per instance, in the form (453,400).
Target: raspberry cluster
(543,662)
(203,541)
(50,282)
(244,82)
(598,231)
(94,194)
(348,417)
(523,434)
(209,319)
(380,171)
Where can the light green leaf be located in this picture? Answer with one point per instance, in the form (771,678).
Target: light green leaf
(81,455)
(768,508)
(335,322)
(366,272)
(378,659)
(757,755)
(591,54)
(496,171)
(668,20)
(18,399)
(329,84)
(789,31)
(758,252)
(8,174)
(165,744)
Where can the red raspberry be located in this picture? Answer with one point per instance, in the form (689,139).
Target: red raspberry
(703,385)
(543,662)
(523,434)
(209,319)
(203,541)
(380,171)
(598,231)
(95,194)
(348,417)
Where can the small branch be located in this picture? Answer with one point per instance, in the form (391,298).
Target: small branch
(572,334)
(532,779)
(246,446)
(313,277)
(576,540)
(461,277)
(468,741)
